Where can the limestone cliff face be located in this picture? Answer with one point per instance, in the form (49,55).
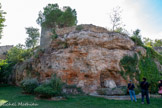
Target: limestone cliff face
(88,58)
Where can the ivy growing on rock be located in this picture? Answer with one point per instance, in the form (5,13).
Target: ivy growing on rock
(149,69)
(129,64)
(144,67)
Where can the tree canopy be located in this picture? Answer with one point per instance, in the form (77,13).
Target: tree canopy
(158,43)
(33,37)
(2,20)
(18,54)
(150,43)
(53,16)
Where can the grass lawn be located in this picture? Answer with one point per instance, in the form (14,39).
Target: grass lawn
(13,96)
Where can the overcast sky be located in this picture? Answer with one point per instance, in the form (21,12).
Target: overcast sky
(143,14)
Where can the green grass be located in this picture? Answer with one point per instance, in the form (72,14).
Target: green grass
(13,95)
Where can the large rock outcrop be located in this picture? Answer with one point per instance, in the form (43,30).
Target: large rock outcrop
(88,57)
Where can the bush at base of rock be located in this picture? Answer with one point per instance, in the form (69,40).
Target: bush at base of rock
(28,85)
(45,91)
(50,88)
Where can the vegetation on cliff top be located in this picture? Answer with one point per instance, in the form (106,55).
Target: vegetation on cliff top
(53,17)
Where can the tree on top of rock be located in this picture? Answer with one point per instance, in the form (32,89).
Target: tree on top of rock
(53,17)
(2,19)
(115,17)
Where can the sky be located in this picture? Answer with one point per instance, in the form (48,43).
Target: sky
(145,15)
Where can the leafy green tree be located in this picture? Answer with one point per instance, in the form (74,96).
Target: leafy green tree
(68,18)
(158,43)
(136,37)
(14,55)
(53,17)
(2,20)
(148,42)
(18,54)
(33,37)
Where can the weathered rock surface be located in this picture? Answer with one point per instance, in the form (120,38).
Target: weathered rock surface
(109,84)
(88,58)
(112,91)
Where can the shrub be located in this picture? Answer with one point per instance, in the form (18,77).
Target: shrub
(45,91)
(49,88)
(137,40)
(18,54)
(28,85)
